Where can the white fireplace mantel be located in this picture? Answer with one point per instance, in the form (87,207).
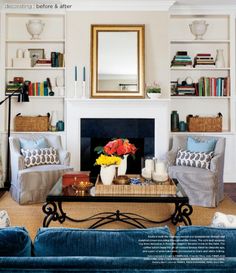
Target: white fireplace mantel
(116,108)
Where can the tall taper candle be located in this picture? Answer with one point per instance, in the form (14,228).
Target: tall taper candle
(76,74)
(84,74)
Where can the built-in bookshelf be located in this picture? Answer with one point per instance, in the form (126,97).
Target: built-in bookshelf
(212,90)
(51,65)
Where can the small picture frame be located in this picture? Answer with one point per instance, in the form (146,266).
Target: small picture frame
(35,54)
(173,87)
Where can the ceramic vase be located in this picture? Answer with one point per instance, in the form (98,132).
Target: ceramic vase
(107,174)
(174,121)
(123,166)
(220,62)
(35,28)
(198,28)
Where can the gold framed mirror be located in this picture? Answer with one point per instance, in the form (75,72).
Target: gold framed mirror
(117,61)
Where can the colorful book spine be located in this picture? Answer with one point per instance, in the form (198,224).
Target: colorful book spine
(41,89)
(45,86)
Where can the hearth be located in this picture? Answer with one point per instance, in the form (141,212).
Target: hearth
(98,131)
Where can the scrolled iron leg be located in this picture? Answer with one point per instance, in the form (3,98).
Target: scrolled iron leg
(182,213)
(52,214)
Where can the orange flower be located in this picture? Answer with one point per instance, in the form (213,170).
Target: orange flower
(119,147)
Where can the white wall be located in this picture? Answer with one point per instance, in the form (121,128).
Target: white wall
(156,43)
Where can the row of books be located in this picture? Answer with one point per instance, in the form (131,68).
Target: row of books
(57,60)
(205,86)
(12,87)
(38,89)
(214,86)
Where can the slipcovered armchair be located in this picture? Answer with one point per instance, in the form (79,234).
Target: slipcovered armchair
(32,184)
(204,187)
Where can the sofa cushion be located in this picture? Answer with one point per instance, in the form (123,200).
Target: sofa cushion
(106,243)
(15,241)
(205,241)
(195,145)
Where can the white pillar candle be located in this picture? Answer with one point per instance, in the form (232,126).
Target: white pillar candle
(160,167)
(149,165)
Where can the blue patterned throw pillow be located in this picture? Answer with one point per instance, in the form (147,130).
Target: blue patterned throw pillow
(194,159)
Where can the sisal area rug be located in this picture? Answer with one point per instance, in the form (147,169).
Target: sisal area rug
(31,216)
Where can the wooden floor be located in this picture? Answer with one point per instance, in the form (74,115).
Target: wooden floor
(230,190)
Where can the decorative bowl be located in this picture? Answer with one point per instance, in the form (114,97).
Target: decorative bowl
(154,95)
(198,28)
(82,187)
(121,180)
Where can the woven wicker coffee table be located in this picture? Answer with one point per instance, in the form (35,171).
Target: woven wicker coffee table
(53,208)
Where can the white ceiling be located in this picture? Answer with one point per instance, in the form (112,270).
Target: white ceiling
(205,2)
(142,3)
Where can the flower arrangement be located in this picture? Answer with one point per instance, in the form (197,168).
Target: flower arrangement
(105,160)
(117,147)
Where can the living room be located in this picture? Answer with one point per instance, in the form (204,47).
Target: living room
(178,100)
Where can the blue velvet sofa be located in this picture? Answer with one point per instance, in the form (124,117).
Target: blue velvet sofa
(147,250)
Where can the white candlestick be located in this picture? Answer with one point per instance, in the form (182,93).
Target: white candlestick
(83,89)
(75,91)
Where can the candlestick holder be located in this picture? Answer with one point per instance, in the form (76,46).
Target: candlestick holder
(75,89)
(83,90)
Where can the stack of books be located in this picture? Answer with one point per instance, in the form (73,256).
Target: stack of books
(181,59)
(214,86)
(57,59)
(204,60)
(185,90)
(12,87)
(38,89)
(43,63)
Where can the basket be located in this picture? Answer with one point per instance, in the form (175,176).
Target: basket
(168,187)
(205,124)
(31,123)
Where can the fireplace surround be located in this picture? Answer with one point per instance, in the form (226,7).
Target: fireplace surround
(79,109)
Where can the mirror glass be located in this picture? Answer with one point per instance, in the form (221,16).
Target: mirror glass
(117,61)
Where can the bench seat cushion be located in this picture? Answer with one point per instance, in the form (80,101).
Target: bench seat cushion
(109,243)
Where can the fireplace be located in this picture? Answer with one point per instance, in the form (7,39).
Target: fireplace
(98,131)
(80,109)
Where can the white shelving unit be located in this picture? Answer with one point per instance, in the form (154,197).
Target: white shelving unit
(220,34)
(52,38)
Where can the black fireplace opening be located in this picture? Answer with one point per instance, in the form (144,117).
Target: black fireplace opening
(99,131)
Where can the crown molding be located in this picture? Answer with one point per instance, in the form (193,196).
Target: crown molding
(120,5)
(209,8)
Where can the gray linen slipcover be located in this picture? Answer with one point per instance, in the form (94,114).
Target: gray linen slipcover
(204,187)
(32,185)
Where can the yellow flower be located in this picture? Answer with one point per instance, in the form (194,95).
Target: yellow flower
(108,160)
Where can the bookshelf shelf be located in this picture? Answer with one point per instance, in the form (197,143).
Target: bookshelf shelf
(34,41)
(200,97)
(50,45)
(219,35)
(35,68)
(202,68)
(200,41)
(47,97)
(224,132)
